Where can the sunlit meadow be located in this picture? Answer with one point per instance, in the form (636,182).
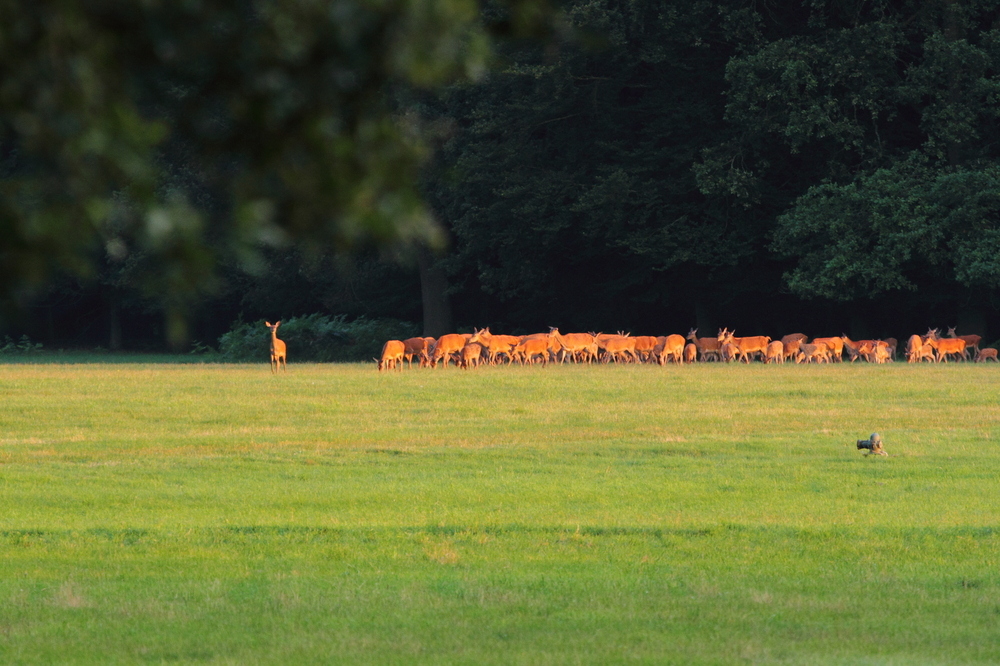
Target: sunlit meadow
(216,513)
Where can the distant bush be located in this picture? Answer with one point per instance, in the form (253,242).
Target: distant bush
(22,346)
(315,337)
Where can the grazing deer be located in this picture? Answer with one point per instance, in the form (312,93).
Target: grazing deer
(392,355)
(278,356)
(644,346)
(882,354)
(446,346)
(417,347)
(673,349)
(817,352)
(986,354)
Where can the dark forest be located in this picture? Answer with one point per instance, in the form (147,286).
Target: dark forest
(824,167)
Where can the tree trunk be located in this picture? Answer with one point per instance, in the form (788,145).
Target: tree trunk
(114,326)
(434,294)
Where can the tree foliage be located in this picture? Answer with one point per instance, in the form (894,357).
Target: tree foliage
(189,131)
(871,130)
(704,163)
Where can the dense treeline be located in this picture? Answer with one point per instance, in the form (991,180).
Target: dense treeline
(830,167)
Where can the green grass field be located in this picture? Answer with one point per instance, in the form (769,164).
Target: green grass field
(204,513)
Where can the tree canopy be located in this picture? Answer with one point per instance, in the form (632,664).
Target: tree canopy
(772,165)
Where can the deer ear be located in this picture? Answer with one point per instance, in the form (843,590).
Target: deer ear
(267,323)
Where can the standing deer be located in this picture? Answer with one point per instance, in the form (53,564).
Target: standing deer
(277,348)
(748,347)
(986,354)
(945,346)
(775,352)
(971,342)
(708,348)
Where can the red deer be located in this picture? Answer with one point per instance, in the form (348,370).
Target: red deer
(673,349)
(986,354)
(602,341)
(278,355)
(748,347)
(501,345)
(417,347)
(853,348)
(971,341)
(471,353)
(792,349)
(945,346)
(892,343)
(881,352)
(775,352)
(793,337)
(863,348)
(816,352)
(873,351)
(914,347)
(658,356)
(690,352)
(926,353)
(644,346)
(729,351)
(447,345)
(530,347)
(494,345)
(392,355)
(708,348)
(553,345)
(620,347)
(835,347)
(576,345)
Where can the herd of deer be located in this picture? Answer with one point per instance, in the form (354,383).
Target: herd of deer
(470,350)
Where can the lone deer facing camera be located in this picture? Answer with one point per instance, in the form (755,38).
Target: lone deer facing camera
(277,348)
